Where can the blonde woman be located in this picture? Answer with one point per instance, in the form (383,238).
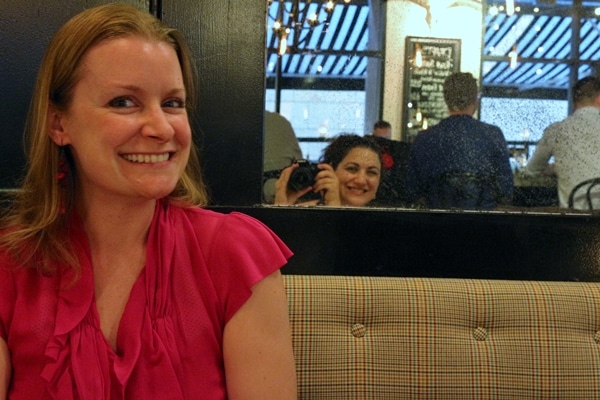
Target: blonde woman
(114,283)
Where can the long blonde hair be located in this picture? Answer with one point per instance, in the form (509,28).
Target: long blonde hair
(35,225)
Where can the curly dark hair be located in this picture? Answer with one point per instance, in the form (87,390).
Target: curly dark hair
(339,148)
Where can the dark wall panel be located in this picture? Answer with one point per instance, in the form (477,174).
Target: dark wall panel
(227,37)
(26,27)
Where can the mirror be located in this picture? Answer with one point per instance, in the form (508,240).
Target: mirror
(335,67)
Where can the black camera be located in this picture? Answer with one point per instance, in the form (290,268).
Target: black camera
(303,176)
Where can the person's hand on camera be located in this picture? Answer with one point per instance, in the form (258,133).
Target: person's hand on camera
(327,183)
(284,196)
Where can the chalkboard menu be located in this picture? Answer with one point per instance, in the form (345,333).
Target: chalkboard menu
(427,63)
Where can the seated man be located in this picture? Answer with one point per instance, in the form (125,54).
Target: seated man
(575,144)
(281,149)
(382,129)
(460,162)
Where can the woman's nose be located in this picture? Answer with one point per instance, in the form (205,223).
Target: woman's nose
(156,124)
(361,177)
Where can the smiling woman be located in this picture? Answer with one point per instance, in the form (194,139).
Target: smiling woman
(105,244)
(348,175)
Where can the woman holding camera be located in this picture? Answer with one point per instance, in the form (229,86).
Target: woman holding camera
(348,175)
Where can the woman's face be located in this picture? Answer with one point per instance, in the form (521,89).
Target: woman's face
(359,174)
(127,125)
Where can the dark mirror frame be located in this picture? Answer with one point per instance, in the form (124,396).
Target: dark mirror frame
(227,38)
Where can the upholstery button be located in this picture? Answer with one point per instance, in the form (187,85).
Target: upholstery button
(597,337)
(358,330)
(480,334)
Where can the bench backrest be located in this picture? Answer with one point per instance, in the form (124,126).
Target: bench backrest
(429,338)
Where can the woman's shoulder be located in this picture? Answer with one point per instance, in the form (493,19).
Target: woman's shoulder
(205,215)
(196,212)
(231,238)
(207,222)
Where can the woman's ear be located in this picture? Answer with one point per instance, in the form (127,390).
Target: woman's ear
(56,128)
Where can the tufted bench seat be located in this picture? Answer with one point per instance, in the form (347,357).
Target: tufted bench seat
(432,338)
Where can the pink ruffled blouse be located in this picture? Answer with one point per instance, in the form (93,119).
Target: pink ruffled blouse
(199,270)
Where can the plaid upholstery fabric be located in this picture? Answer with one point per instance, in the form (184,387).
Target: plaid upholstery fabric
(428,338)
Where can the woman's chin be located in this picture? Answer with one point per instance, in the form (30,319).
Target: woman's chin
(357,202)
(156,191)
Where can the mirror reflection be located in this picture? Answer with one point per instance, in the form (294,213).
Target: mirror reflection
(347,66)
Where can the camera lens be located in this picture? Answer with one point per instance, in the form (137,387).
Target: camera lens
(300,178)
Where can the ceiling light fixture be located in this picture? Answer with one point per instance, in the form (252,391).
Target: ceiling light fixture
(296,20)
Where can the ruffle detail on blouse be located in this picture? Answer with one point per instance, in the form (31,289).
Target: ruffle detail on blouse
(75,342)
(78,356)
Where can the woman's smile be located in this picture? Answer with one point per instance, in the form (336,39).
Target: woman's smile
(147,158)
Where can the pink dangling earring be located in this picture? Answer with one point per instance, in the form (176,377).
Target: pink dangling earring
(63,167)
(61,176)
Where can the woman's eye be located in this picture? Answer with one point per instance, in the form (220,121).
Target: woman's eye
(121,102)
(174,103)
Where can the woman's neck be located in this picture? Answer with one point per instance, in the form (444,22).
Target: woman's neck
(116,225)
